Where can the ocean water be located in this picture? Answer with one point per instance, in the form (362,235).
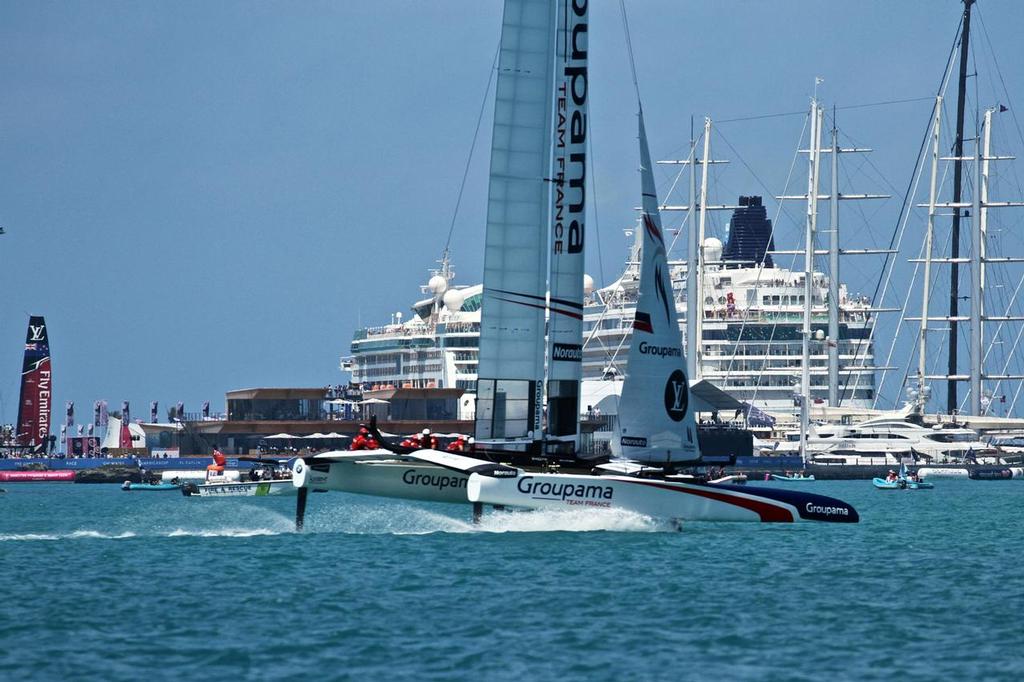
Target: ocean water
(107,585)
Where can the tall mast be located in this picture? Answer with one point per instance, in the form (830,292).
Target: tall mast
(833,282)
(811,225)
(977,282)
(696,349)
(693,293)
(835,347)
(979,204)
(922,341)
(958,152)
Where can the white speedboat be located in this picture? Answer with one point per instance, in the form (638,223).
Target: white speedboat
(281,486)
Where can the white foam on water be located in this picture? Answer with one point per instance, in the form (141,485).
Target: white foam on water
(569,520)
(401,519)
(78,534)
(102,536)
(220,533)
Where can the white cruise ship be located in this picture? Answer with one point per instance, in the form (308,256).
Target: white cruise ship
(751,331)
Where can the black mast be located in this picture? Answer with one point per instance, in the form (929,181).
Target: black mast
(958,152)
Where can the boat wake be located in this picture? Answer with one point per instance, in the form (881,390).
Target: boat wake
(572,521)
(222,533)
(75,535)
(412,520)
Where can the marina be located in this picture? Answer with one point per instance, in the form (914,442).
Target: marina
(736,420)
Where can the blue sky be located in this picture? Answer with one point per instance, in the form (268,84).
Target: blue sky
(208,196)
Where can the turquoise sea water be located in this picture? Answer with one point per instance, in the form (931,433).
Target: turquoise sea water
(108,585)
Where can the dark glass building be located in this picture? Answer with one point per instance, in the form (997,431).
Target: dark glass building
(750,235)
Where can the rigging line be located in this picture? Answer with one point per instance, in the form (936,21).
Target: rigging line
(848,106)
(999,72)
(906,301)
(885,103)
(897,238)
(691,210)
(905,213)
(629,49)
(1011,355)
(761,267)
(472,147)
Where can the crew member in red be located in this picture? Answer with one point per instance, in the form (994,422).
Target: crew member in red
(217,468)
(359,442)
(429,440)
(364,440)
(412,441)
(457,445)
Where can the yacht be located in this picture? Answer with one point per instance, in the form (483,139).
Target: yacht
(888,441)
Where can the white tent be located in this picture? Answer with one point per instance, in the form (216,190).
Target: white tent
(281,436)
(374,401)
(112,438)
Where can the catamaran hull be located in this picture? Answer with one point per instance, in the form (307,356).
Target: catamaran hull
(659,499)
(405,480)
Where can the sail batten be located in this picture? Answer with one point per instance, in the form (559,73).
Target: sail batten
(655,418)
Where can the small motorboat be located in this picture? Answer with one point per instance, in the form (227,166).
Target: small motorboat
(792,477)
(129,486)
(902,481)
(241,489)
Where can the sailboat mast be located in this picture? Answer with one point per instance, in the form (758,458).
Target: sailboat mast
(833,283)
(977,276)
(701,236)
(811,225)
(922,341)
(958,152)
(986,156)
(693,293)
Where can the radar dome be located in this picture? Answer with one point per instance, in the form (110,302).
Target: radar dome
(438,284)
(588,283)
(453,300)
(819,335)
(712,249)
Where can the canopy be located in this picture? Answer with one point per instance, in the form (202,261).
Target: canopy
(281,436)
(341,401)
(373,401)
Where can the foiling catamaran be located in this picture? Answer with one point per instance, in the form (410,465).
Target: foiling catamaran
(535,238)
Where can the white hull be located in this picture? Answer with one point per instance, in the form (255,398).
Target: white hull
(245,489)
(399,478)
(930,472)
(657,499)
(195,476)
